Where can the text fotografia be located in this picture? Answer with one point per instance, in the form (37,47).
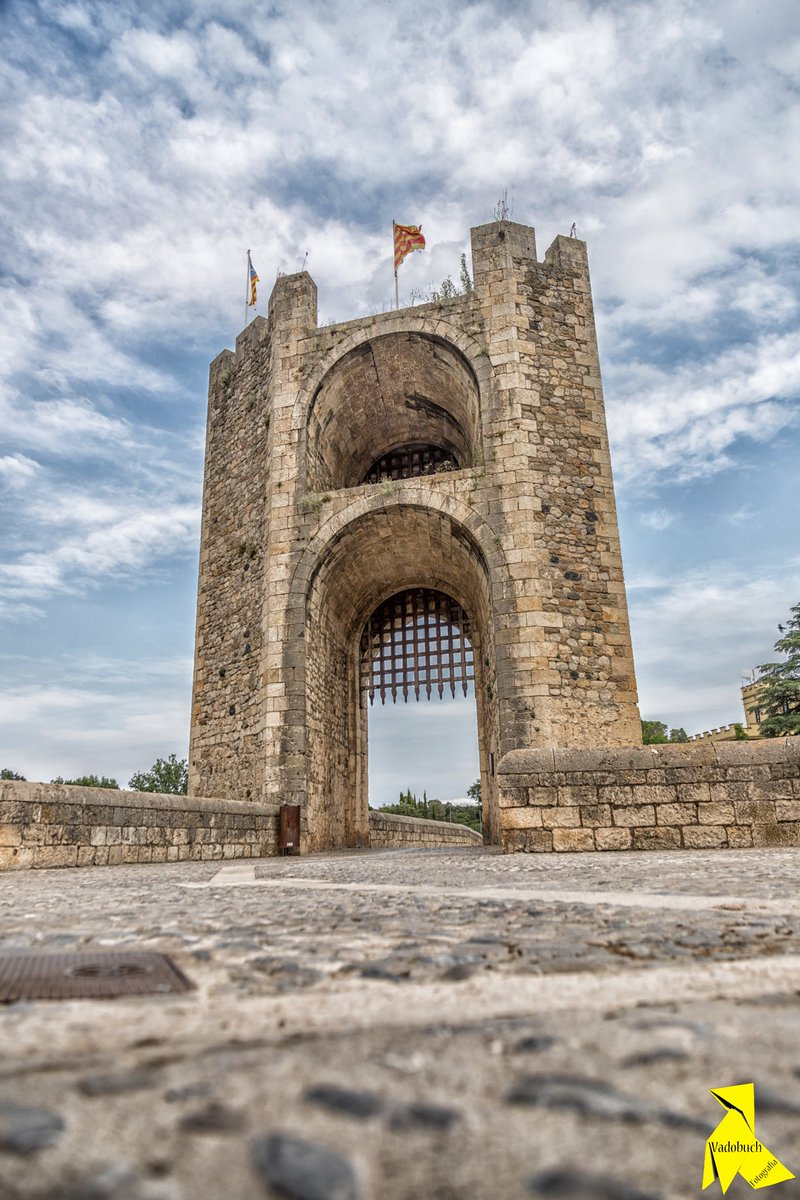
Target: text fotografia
(757,1178)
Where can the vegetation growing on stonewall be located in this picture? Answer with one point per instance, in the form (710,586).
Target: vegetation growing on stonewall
(409,805)
(447,289)
(779,697)
(98,781)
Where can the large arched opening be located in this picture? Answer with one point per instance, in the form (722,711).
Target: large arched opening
(388,555)
(418,672)
(399,405)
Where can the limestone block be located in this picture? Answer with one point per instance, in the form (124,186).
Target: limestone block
(678,814)
(561,817)
(787,833)
(639,814)
(665,837)
(771,789)
(652,793)
(715,813)
(55,856)
(573,839)
(543,796)
(612,839)
(595,815)
(10,835)
(523,818)
(755,812)
(698,837)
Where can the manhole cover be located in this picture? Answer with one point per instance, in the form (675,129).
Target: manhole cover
(93,976)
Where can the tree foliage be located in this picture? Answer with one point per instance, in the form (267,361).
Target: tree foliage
(101,781)
(779,696)
(168,775)
(654,733)
(434,810)
(7,773)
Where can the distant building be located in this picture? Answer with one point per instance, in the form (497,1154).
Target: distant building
(751,723)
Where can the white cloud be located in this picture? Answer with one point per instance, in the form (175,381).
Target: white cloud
(66,426)
(686,419)
(658,518)
(695,636)
(123,547)
(17,469)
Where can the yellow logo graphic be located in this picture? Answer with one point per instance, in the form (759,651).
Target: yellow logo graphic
(733,1148)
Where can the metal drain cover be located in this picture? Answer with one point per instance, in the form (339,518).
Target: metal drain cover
(97,976)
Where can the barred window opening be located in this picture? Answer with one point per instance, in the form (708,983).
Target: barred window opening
(416,640)
(407,462)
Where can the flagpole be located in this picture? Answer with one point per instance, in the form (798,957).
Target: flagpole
(246,286)
(396,285)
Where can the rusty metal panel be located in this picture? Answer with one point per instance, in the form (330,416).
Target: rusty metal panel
(289,829)
(417,639)
(92,976)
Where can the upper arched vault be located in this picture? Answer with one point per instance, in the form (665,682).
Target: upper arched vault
(407,396)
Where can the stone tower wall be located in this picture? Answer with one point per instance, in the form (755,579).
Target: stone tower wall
(299,552)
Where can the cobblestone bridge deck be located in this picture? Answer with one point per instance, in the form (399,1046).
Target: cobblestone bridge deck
(412,1024)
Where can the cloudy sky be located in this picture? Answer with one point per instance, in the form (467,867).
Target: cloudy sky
(147,145)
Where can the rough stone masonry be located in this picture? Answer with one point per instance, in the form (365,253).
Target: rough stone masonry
(303,538)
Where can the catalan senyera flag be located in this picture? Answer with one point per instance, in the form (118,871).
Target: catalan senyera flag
(406,239)
(253,280)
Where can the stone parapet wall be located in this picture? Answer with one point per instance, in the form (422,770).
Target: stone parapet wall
(54,825)
(701,796)
(390,831)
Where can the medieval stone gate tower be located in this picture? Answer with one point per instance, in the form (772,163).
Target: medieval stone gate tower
(443,468)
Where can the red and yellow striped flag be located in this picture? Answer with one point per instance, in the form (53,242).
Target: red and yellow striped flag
(406,239)
(251,274)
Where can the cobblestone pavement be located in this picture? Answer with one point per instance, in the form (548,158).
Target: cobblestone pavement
(422,1024)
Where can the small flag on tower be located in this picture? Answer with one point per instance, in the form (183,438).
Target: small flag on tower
(406,239)
(253,278)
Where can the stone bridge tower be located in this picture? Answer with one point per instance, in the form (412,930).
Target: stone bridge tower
(443,467)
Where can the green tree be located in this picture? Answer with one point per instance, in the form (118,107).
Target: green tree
(474,791)
(739,734)
(7,773)
(779,697)
(465,814)
(101,781)
(169,775)
(654,733)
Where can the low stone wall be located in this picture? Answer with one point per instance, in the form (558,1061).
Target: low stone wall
(701,796)
(55,825)
(389,831)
